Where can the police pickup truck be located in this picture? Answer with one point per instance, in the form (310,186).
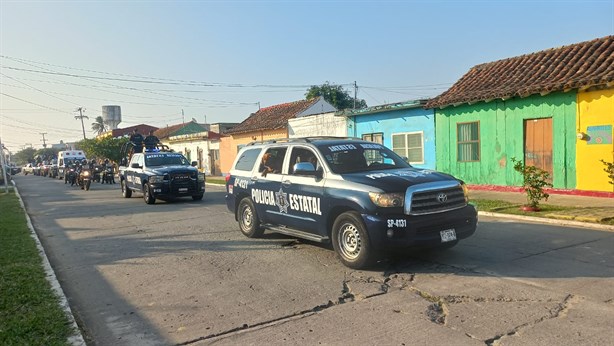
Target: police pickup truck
(359,195)
(161,175)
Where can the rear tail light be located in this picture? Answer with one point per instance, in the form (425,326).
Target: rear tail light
(227,178)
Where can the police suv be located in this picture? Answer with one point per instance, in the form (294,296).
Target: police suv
(359,195)
(161,175)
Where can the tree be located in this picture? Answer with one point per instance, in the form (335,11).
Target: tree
(99,126)
(107,147)
(335,95)
(24,156)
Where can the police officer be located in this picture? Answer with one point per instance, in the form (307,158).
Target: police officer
(137,140)
(151,141)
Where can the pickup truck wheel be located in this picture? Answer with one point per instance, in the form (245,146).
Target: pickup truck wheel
(351,241)
(126,192)
(248,219)
(147,196)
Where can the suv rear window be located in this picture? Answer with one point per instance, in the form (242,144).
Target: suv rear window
(247,159)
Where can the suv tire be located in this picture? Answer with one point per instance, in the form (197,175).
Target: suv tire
(249,223)
(126,192)
(351,241)
(147,196)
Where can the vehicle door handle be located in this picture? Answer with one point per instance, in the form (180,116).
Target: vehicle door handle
(254,178)
(286,183)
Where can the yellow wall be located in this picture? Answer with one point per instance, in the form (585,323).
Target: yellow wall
(229,145)
(595,108)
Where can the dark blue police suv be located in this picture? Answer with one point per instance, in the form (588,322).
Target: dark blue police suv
(359,195)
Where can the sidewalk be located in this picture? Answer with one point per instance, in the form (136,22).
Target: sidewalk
(584,209)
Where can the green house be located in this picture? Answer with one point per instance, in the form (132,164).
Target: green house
(523,107)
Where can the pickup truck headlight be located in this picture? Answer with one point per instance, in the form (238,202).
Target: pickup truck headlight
(156,179)
(201,176)
(387,200)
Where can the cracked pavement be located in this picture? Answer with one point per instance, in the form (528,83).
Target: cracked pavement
(181,273)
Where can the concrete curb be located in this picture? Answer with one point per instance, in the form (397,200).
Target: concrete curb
(558,222)
(77,338)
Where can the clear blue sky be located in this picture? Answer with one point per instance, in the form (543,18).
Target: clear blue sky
(253,51)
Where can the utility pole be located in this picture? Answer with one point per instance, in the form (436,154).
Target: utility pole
(4,171)
(81,116)
(43,140)
(355,92)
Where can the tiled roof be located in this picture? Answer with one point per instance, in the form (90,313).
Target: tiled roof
(580,65)
(273,117)
(127,131)
(164,132)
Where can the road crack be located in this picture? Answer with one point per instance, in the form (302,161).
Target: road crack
(558,311)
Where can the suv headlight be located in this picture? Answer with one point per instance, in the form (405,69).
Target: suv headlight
(465,192)
(156,179)
(387,200)
(201,176)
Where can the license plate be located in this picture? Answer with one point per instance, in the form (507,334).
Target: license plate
(448,235)
(183,189)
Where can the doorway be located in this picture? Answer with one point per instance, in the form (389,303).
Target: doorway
(538,144)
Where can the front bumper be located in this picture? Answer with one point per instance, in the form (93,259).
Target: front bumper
(167,189)
(398,231)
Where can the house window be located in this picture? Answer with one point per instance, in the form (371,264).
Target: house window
(468,141)
(409,145)
(374,137)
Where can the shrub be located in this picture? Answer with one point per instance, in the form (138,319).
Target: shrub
(534,181)
(609,168)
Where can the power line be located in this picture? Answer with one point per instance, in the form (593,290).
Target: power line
(36,104)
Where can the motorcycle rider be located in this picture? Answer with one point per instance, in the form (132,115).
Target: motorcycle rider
(109,172)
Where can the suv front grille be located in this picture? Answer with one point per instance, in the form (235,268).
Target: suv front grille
(430,198)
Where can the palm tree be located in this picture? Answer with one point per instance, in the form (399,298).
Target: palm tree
(99,126)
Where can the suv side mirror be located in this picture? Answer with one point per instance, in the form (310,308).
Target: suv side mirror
(194,163)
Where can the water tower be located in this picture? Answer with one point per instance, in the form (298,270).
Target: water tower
(112,116)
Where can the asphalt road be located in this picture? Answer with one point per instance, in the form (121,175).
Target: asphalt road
(182,273)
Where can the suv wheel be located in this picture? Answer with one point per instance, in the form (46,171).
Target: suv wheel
(126,192)
(147,196)
(351,242)
(248,219)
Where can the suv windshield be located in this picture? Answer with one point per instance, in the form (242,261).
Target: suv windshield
(165,160)
(352,157)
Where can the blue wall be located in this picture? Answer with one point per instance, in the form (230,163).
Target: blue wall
(399,121)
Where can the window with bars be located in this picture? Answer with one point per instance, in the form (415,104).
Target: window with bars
(468,141)
(371,155)
(410,145)
(374,137)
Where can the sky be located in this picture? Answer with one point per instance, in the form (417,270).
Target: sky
(165,62)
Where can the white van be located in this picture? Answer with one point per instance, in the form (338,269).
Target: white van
(66,157)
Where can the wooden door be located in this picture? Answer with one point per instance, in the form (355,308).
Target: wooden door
(538,143)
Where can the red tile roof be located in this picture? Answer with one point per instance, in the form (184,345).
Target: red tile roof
(127,131)
(273,117)
(580,65)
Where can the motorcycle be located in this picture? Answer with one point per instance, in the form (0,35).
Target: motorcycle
(107,175)
(98,174)
(70,175)
(84,179)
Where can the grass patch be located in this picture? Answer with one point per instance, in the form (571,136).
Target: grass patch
(30,313)
(216,180)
